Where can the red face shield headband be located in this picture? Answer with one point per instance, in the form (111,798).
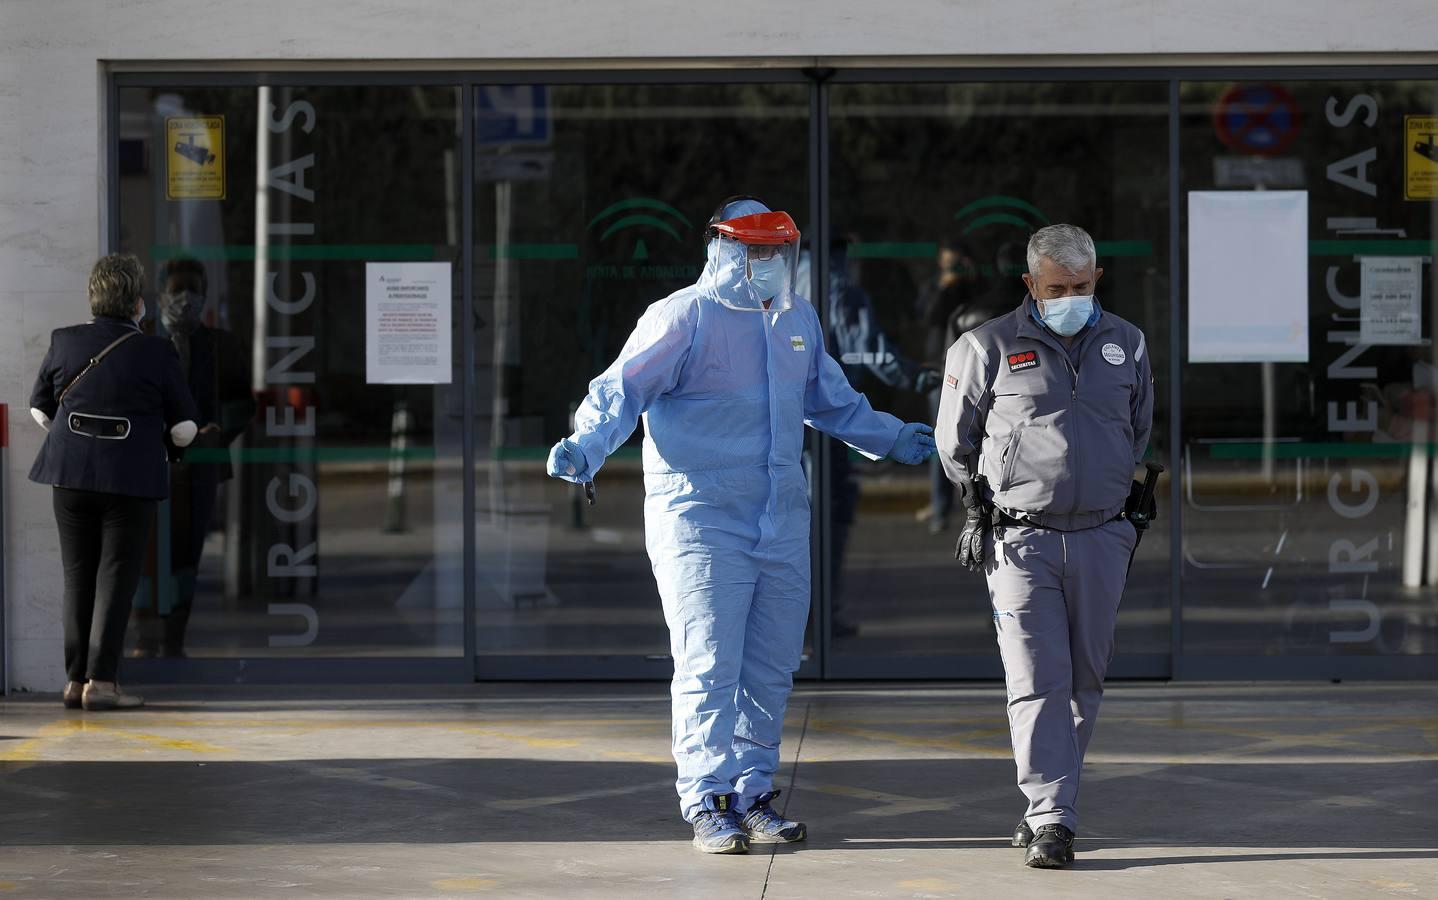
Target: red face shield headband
(760,228)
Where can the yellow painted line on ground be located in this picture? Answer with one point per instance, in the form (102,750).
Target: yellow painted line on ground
(540,743)
(464,884)
(638,756)
(155,740)
(1177,721)
(1431,732)
(8,885)
(1387,885)
(929,884)
(1335,738)
(907,740)
(29,751)
(310,725)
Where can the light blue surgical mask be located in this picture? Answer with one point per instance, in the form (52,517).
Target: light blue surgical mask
(768,276)
(1067,315)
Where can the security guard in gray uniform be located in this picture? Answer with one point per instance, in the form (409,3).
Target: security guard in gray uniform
(1044,414)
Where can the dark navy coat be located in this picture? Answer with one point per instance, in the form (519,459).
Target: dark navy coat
(137,389)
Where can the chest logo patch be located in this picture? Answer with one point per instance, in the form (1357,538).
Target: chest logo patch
(797,342)
(1113,354)
(1021,361)
(951,381)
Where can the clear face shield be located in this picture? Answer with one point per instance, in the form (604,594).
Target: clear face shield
(754,261)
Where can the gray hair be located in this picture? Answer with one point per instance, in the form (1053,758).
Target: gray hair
(115,284)
(1067,245)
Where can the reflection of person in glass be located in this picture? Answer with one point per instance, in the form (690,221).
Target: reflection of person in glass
(947,294)
(216,366)
(856,338)
(1055,399)
(726,374)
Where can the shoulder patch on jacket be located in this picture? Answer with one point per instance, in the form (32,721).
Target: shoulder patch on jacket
(1026,359)
(951,381)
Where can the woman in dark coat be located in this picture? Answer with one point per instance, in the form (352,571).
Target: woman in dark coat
(114,403)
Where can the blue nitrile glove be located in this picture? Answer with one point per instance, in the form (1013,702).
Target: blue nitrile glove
(567,461)
(915,444)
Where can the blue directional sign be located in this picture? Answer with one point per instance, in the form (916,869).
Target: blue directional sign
(513,114)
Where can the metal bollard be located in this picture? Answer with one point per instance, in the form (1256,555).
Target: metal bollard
(394,510)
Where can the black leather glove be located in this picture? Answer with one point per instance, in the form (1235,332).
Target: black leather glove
(969,551)
(978,519)
(1140,518)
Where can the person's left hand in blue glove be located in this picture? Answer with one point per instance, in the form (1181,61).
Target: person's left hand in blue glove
(915,444)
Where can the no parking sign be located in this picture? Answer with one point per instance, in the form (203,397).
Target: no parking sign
(1259,119)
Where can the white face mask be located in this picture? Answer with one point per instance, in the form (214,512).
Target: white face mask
(140,312)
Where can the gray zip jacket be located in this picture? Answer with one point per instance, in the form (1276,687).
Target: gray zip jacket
(1058,440)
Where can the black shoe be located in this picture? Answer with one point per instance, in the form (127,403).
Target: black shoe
(1052,847)
(1023,834)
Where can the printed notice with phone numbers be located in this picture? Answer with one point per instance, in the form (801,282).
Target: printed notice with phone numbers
(1389,311)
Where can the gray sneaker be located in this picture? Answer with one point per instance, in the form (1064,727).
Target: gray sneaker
(104,695)
(765,826)
(715,829)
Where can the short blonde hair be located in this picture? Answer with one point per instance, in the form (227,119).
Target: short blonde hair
(116,282)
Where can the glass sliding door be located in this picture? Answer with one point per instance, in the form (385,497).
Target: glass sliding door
(590,204)
(1308,543)
(934,191)
(319,514)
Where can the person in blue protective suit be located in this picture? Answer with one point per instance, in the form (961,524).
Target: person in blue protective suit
(726,373)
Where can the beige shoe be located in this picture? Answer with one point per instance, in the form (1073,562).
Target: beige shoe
(72,694)
(103,695)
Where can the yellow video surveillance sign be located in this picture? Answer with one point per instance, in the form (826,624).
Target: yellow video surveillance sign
(195,157)
(1420,157)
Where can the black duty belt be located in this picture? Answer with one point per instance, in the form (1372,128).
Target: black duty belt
(106,428)
(1020,521)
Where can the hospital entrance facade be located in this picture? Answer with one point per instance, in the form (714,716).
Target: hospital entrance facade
(427,268)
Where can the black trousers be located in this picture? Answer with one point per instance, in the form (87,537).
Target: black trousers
(103,538)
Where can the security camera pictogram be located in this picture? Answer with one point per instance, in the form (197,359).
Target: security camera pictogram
(198,154)
(1429,150)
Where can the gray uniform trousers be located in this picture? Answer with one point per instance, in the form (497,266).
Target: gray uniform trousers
(1055,597)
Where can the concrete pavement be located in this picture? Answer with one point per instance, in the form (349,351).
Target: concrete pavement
(1270,790)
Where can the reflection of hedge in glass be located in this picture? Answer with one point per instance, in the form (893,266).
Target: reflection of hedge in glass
(637,170)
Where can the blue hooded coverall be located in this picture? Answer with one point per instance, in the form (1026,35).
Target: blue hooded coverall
(725,388)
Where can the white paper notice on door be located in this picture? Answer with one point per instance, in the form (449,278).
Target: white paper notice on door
(407,323)
(1392,290)
(1247,276)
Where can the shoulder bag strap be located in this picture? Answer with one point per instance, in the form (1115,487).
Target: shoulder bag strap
(94,361)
